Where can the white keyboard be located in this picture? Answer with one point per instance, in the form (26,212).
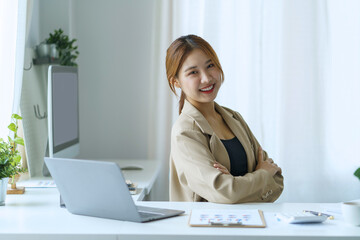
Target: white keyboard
(37,183)
(300,217)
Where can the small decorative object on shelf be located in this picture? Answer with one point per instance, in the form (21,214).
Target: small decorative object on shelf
(46,54)
(10,160)
(67,52)
(57,49)
(15,189)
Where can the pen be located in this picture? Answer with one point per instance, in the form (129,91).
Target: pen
(330,217)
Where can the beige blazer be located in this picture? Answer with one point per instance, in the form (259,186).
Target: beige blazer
(195,148)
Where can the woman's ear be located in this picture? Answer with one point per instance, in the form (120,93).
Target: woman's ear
(176,82)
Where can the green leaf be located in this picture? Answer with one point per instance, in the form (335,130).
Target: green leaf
(15,116)
(4,161)
(357,173)
(12,127)
(65,47)
(19,141)
(17,158)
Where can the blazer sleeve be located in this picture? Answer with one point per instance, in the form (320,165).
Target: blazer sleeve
(278,178)
(194,165)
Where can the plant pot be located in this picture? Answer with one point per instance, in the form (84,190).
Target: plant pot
(54,53)
(3,188)
(43,50)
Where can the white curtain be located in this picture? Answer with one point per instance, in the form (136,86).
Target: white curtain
(342,97)
(159,119)
(291,70)
(12,44)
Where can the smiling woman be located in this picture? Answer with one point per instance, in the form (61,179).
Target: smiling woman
(200,79)
(214,155)
(295,82)
(179,51)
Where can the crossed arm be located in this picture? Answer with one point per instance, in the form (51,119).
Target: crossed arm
(266,164)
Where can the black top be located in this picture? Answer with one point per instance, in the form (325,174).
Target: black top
(237,155)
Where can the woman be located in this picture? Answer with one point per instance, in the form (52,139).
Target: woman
(214,155)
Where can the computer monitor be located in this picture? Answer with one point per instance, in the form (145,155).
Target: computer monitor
(63,112)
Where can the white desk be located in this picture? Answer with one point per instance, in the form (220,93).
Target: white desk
(36,215)
(143,178)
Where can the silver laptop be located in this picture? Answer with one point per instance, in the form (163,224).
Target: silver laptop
(98,189)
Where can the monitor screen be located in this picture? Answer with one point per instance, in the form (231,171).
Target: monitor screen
(63,109)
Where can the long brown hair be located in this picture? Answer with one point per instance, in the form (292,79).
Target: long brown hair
(178,52)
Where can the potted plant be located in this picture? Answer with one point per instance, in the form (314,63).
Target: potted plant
(10,158)
(67,52)
(357,173)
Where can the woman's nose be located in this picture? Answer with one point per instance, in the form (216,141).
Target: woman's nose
(205,77)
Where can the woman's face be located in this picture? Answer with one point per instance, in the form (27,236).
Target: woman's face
(199,78)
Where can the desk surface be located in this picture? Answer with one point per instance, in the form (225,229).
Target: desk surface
(37,215)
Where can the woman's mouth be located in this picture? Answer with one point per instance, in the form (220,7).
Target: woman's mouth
(208,89)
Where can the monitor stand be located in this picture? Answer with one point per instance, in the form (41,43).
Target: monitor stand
(46,173)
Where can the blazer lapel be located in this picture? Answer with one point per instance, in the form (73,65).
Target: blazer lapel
(197,116)
(219,151)
(236,127)
(216,147)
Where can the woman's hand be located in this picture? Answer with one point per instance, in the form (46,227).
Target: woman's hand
(221,168)
(267,164)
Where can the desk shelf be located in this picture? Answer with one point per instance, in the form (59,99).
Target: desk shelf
(46,60)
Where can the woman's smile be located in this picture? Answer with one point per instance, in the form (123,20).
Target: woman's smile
(208,89)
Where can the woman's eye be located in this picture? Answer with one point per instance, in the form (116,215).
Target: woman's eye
(211,65)
(193,72)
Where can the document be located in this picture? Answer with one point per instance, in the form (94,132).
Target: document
(227,218)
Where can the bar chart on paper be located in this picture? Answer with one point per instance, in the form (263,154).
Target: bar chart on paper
(226,218)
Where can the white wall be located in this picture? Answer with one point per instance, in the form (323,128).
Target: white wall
(114,39)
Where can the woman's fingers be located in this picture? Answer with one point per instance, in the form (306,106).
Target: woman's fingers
(267,164)
(221,168)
